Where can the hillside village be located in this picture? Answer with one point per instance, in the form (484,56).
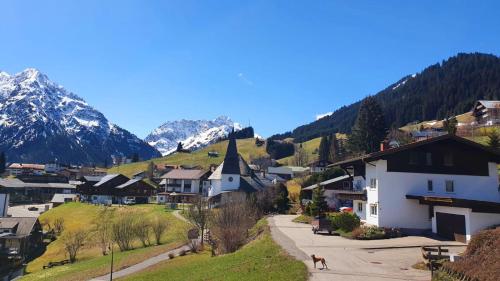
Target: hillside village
(410,191)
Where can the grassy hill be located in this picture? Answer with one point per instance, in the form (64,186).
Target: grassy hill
(90,261)
(311,147)
(261,259)
(437,124)
(246,147)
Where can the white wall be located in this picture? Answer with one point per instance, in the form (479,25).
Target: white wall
(217,186)
(4,204)
(362,214)
(397,211)
(480,221)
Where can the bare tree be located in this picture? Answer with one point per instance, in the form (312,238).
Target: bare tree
(123,232)
(199,215)
(300,158)
(230,224)
(73,241)
(142,229)
(159,226)
(103,228)
(59,225)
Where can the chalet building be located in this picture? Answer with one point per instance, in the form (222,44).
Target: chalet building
(332,188)
(288,172)
(233,179)
(16,169)
(487,112)
(116,189)
(180,185)
(445,184)
(34,189)
(319,166)
(18,238)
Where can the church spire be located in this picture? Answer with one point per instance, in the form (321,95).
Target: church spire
(231,160)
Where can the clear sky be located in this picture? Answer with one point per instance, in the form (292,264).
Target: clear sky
(275,64)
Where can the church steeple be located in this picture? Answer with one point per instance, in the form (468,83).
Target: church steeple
(231,160)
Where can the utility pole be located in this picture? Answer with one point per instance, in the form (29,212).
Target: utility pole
(111,272)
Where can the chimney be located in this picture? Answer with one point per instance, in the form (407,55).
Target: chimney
(384,145)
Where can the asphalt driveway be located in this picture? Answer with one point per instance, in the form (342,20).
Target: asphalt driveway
(388,259)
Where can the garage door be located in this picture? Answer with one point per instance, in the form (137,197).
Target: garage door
(451,226)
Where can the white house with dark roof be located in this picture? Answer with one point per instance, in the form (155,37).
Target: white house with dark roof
(448,185)
(181,185)
(233,178)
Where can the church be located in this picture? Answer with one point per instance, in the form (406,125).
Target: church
(233,179)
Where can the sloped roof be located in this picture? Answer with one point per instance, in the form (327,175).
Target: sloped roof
(380,154)
(184,174)
(311,187)
(490,103)
(106,178)
(17,183)
(93,178)
(132,181)
(241,169)
(231,160)
(24,225)
(26,166)
(60,198)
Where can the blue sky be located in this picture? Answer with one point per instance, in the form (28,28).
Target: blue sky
(273,64)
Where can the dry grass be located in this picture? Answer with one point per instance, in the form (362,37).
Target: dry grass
(481,259)
(90,262)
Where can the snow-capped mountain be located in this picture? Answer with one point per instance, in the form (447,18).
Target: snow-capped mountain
(40,121)
(193,134)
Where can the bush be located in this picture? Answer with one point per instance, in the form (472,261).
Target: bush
(171,256)
(368,233)
(345,221)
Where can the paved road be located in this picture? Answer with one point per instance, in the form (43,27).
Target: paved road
(350,260)
(22,210)
(142,265)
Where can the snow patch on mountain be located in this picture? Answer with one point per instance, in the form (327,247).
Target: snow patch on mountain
(193,134)
(40,121)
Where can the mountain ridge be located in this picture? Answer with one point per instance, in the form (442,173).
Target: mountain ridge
(41,121)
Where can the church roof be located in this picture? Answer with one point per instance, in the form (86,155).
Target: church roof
(231,163)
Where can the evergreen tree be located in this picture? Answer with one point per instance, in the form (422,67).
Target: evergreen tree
(324,148)
(319,205)
(179,147)
(282,201)
(105,162)
(370,127)
(334,150)
(2,162)
(450,125)
(494,139)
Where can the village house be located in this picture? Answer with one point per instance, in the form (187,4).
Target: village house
(59,199)
(288,172)
(17,169)
(180,185)
(233,179)
(486,112)
(319,166)
(35,189)
(446,184)
(332,188)
(116,189)
(18,238)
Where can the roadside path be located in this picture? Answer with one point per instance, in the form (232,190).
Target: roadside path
(142,265)
(352,260)
(149,262)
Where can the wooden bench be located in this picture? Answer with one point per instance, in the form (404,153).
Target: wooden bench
(56,263)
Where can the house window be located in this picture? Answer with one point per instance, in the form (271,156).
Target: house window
(428,159)
(373,183)
(373,209)
(448,159)
(360,207)
(430,186)
(346,185)
(450,187)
